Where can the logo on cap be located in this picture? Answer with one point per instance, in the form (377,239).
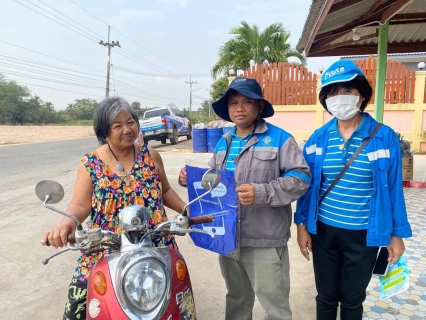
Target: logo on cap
(332,73)
(239,80)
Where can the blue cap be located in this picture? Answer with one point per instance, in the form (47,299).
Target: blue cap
(247,87)
(340,71)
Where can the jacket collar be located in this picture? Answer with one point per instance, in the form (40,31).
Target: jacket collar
(260,128)
(367,125)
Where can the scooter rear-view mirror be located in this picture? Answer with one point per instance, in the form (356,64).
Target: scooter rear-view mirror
(211,179)
(50,191)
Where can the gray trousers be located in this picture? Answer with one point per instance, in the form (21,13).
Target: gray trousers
(264,272)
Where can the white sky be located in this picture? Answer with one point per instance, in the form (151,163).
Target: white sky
(160,37)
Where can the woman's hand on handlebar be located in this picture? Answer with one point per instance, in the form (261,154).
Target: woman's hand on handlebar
(58,237)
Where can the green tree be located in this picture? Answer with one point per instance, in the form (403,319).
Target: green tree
(14,106)
(47,114)
(205,108)
(81,109)
(136,105)
(251,44)
(18,106)
(219,88)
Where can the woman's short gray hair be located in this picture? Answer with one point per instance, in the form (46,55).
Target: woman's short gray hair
(106,112)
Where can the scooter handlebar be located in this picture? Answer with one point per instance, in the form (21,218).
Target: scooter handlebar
(201,220)
(71,239)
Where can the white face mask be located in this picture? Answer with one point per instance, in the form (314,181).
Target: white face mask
(343,107)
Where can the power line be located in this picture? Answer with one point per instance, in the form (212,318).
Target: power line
(125,35)
(66,76)
(134,60)
(199,97)
(46,55)
(172,75)
(51,80)
(98,86)
(34,62)
(31,84)
(88,12)
(148,93)
(49,56)
(148,100)
(149,63)
(129,53)
(97,34)
(72,77)
(88,36)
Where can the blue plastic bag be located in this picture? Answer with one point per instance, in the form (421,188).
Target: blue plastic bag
(220,203)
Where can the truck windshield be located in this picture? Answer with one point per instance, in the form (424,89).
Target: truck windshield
(156,113)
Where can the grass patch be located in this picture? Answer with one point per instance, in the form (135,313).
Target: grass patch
(74,123)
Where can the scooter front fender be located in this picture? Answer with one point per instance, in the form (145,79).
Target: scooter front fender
(106,306)
(181,305)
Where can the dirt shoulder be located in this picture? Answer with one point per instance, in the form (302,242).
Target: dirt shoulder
(30,134)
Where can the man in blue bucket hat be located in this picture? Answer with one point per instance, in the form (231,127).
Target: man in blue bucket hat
(270,173)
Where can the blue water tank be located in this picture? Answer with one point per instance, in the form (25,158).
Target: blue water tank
(213,136)
(199,140)
(227,129)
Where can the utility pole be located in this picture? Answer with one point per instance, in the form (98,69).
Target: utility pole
(190,92)
(109,45)
(210,102)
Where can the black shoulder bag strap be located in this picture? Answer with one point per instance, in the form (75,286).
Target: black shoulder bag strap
(351,160)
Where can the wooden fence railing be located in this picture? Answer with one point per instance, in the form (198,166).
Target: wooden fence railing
(400,81)
(293,84)
(424,99)
(285,83)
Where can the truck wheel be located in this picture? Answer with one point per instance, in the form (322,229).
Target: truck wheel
(163,141)
(145,141)
(175,137)
(189,135)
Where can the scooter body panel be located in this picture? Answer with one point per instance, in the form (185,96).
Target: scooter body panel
(179,300)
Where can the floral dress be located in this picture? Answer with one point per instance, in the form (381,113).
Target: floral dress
(112,193)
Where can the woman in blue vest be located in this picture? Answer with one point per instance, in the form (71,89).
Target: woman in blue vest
(343,222)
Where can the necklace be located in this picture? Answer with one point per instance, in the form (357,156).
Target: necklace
(347,143)
(120,167)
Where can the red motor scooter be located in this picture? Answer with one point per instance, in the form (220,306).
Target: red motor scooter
(140,281)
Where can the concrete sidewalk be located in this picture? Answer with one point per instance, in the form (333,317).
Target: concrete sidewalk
(208,283)
(409,305)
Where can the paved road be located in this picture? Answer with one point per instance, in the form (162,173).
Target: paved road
(30,290)
(33,291)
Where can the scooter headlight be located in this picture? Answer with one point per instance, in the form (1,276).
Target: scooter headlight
(145,284)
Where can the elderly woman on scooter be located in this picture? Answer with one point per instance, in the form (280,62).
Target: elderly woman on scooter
(119,173)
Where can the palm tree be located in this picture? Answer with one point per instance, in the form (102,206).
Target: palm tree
(252,45)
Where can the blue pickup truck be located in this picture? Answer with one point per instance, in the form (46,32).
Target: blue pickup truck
(161,124)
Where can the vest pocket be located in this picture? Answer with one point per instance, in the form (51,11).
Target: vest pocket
(265,156)
(263,167)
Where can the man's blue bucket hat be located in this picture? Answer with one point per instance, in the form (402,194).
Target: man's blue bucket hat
(247,87)
(340,71)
